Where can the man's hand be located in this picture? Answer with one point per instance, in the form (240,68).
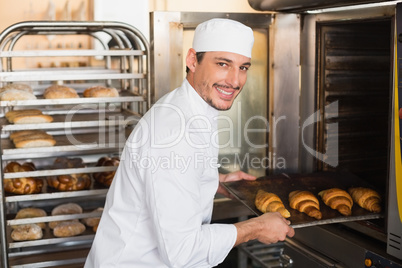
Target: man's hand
(234,176)
(268,228)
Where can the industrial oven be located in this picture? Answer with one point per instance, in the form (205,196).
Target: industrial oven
(78,55)
(331,108)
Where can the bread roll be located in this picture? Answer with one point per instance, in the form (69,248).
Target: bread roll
(68,228)
(106,178)
(92,222)
(70,182)
(27,213)
(270,202)
(27,232)
(60,92)
(337,199)
(24,185)
(100,92)
(366,198)
(306,202)
(64,209)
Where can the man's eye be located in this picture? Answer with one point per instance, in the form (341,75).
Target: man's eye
(244,68)
(223,64)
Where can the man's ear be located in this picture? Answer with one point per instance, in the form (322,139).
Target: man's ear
(191,59)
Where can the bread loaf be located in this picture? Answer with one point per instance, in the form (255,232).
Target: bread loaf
(270,202)
(69,182)
(366,198)
(32,138)
(337,199)
(68,228)
(30,116)
(14,92)
(60,92)
(15,95)
(64,209)
(27,213)
(27,232)
(17,86)
(100,92)
(106,178)
(306,202)
(24,185)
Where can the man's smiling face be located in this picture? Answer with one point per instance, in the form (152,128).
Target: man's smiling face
(219,77)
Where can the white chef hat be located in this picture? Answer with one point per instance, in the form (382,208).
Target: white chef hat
(223,35)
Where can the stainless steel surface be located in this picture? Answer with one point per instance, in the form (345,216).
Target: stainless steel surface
(303,5)
(284,93)
(83,127)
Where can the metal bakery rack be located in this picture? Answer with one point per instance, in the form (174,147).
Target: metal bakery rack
(87,128)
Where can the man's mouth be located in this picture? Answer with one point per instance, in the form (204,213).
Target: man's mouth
(227,93)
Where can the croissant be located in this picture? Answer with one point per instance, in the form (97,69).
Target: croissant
(366,198)
(337,199)
(270,202)
(305,201)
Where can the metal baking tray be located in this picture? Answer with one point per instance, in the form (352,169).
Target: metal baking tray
(283,184)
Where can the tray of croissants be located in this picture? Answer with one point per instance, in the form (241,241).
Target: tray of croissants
(310,199)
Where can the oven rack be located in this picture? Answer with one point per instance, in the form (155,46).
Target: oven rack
(88,128)
(78,120)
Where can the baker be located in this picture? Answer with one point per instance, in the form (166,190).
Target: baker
(159,206)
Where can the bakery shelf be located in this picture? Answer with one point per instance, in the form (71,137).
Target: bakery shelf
(62,75)
(124,97)
(54,218)
(56,195)
(66,144)
(88,128)
(50,241)
(56,172)
(69,53)
(78,120)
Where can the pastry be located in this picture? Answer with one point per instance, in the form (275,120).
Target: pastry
(366,198)
(100,91)
(64,209)
(337,199)
(32,138)
(270,202)
(60,92)
(68,228)
(27,213)
(30,116)
(69,182)
(306,202)
(25,185)
(27,232)
(106,178)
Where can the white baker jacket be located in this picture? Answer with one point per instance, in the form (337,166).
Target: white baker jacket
(159,206)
